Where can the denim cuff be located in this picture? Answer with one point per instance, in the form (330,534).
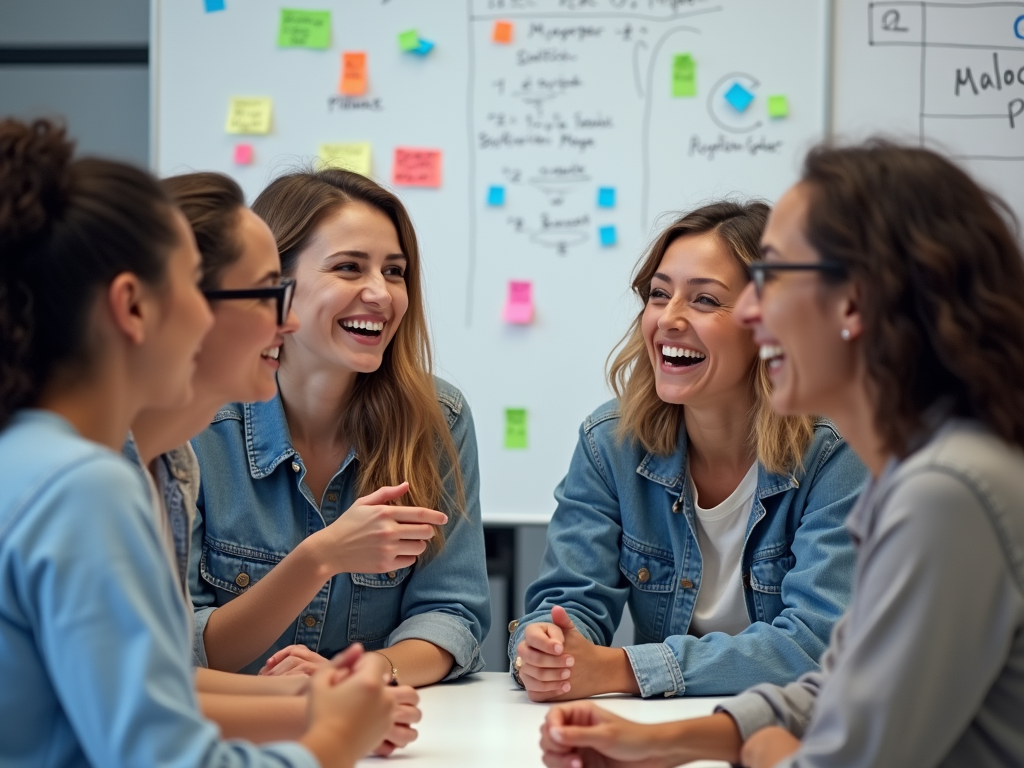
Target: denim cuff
(291,754)
(201,616)
(656,669)
(751,711)
(447,632)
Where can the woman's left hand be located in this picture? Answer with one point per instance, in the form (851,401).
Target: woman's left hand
(294,660)
(768,747)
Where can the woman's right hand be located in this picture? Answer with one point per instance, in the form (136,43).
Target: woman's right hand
(582,735)
(374,537)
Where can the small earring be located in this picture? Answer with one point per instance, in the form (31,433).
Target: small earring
(845,333)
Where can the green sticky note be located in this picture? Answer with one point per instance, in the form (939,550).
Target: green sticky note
(778,106)
(304,29)
(515,427)
(684,76)
(409,40)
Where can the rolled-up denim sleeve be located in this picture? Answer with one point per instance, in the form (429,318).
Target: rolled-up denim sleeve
(815,593)
(447,601)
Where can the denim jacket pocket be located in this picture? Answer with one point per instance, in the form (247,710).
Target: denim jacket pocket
(376,607)
(652,573)
(234,569)
(766,577)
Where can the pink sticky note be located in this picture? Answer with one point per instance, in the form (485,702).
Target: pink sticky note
(243,154)
(519,307)
(416,167)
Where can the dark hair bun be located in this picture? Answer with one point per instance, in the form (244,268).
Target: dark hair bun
(34,161)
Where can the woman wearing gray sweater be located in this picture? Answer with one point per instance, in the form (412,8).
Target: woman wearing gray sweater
(890,301)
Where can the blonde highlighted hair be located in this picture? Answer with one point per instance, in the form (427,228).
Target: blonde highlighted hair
(394,419)
(779,441)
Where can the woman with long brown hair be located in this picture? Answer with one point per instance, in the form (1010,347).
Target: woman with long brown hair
(345,509)
(717,521)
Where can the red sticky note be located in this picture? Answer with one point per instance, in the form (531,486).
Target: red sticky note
(353,73)
(519,306)
(502,32)
(243,154)
(416,167)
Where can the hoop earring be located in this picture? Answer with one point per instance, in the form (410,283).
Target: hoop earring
(845,334)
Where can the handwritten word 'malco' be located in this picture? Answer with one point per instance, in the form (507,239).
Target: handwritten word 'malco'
(997,79)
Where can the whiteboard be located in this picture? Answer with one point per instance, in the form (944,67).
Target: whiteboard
(581,99)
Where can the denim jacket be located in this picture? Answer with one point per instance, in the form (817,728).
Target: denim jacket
(254,508)
(625,531)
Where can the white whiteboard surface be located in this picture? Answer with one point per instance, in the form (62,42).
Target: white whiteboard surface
(580,99)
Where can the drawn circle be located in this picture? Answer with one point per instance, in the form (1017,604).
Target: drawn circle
(727,117)
(1018,27)
(559,239)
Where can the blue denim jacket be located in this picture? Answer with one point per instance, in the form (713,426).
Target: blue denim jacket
(254,508)
(622,510)
(94,666)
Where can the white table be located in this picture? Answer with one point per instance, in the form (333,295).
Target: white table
(487,722)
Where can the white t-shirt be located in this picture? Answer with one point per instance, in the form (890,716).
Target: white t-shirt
(720,531)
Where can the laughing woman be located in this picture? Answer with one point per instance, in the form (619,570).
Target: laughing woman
(719,523)
(300,548)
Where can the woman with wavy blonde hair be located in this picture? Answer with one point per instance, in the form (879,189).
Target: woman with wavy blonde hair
(346,509)
(717,521)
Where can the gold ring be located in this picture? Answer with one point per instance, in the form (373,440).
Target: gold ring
(519,662)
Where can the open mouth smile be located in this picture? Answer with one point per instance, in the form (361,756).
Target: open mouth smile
(773,355)
(679,358)
(362,330)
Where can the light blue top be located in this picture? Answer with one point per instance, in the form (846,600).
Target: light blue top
(254,508)
(93,641)
(625,531)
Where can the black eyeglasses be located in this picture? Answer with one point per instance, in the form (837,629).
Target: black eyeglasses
(759,271)
(282,292)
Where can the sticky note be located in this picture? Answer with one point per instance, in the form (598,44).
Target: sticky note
(778,106)
(502,32)
(352,156)
(214,5)
(416,167)
(606,197)
(304,29)
(519,304)
(496,195)
(739,97)
(515,428)
(684,76)
(249,115)
(607,235)
(409,40)
(243,154)
(353,73)
(424,47)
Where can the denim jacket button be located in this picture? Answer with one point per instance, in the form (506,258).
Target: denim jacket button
(334,497)
(746,581)
(677,505)
(513,625)
(309,621)
(242,580)
(295,466)
(686,584)
(392,574)
(643,575)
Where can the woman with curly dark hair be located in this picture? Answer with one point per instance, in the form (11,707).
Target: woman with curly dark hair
(889,299)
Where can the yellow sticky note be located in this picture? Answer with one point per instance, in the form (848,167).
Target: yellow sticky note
(249,115)
(353,156)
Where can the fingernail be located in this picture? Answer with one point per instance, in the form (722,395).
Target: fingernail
(566,688)
(569,661)
(565,674)
(556,734)
(558,648)
(577,763)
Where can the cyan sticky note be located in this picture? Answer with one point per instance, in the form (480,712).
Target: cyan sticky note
(607,235)
(214,5)
(739,97)
(424,47)
(606,197)
(496,195)
(778,107)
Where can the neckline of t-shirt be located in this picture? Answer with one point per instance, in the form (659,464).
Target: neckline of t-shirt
(727,507)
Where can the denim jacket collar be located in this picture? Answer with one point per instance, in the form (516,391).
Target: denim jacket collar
(670,471)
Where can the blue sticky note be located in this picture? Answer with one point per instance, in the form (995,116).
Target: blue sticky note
(606,197)
(607,235)
(214,5)
(739,97)
(496,195)
(424,47)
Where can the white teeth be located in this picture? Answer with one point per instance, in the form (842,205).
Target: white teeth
(769,351)
(366,325)
(272,353)
(668,351)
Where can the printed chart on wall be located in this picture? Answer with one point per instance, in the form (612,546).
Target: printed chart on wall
(538,145)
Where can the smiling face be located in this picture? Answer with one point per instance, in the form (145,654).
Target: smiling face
(239,357)
(350,293)
(799,321)
(698,353)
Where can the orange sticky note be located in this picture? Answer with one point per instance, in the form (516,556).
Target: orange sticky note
(416,167)
(502,32)
(353,73)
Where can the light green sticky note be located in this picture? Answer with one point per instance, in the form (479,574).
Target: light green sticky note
(304,29)
(778,106)
(515,428)
(684,76)
(409,40)
(353,156)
